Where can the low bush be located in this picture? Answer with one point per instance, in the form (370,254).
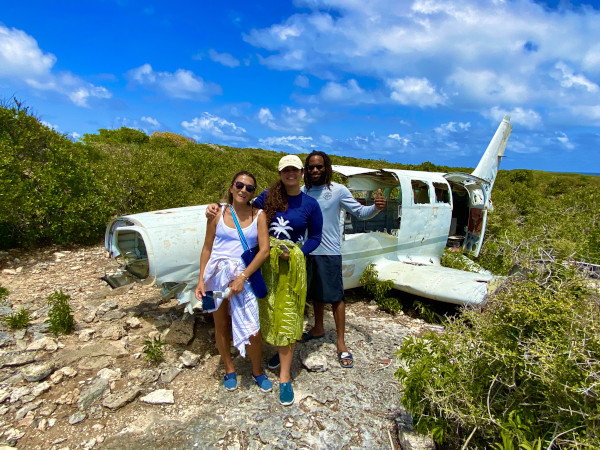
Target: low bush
(379,289)
(60,316)
(18,320)
(3,293)
(154,350)
(521,373)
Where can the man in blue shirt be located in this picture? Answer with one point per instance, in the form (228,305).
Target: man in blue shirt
(324,265)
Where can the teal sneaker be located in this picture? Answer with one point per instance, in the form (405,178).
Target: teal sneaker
(263,382)
(286,393)
(230,381)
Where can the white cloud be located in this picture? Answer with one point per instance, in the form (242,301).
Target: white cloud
(589,113)
(22,60)
(523,117)
(302,81)
(182,83)
(82,94)
(297,143)
(290,119)
(151,121)
(266,117)
(20,55)
(326,139)
(452,127)
(569,79)
(209,126)
(467,54)
(591,60)
(223,58)
(414,91)
(397,139)
(488,86)
(564,140)
(49,125)
(349,93)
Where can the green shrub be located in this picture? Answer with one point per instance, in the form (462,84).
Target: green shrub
(379,289)
(60,316)
(426,312)
(3,293)
(456,260)
(153,350)
(48,191)
(520,373)
(18,320)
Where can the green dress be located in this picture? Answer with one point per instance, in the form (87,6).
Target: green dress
(281,313)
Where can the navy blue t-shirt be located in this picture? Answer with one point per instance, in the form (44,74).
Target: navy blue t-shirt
(303,214)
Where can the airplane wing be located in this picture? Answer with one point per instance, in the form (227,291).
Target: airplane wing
(348,171)
(439,283)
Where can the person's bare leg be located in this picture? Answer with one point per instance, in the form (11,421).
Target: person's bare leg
(339,315)
(222,338)
(286,354)
(319,309)
(254,351)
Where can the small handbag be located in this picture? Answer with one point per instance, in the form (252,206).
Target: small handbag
(257,282)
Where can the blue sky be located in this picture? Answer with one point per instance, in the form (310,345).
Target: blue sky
(403,81)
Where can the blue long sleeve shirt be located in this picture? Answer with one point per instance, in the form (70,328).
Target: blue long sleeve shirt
(302,223)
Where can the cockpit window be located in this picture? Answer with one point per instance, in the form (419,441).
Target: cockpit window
(442,194)
(420,191)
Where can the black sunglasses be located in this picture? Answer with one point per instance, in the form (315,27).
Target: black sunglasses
(239,185)
(316,166)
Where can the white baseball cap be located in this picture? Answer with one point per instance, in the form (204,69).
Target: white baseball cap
(290,161)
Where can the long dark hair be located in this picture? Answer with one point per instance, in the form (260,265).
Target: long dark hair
(277,200)
(229,194)
(328,170)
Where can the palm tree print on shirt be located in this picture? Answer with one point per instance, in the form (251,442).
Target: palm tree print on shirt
(280,227)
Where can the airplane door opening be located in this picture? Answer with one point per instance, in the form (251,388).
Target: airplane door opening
(460,216)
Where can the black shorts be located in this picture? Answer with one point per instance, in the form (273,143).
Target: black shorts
(324,274)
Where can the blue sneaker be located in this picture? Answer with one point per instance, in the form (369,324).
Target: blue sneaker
(230,381)
(274,361)
(286,393)
(263,382)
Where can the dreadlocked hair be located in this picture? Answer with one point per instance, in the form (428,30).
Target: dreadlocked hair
(328,169)
(277,200)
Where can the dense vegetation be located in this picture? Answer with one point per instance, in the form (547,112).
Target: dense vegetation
(521,373)
(56,190)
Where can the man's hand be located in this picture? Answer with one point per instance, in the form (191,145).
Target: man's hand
(212,210)
(380,200)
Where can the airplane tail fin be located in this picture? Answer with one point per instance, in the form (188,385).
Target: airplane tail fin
(490,161)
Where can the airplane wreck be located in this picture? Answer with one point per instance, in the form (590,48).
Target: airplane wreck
(426,211)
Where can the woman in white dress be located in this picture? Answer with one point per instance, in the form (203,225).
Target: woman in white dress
(221,267)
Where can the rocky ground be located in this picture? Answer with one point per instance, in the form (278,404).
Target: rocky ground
(95,389)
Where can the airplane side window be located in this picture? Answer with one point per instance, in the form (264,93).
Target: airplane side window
(420,192)
(442,194)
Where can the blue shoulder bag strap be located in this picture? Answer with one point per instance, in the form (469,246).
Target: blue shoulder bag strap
(237,225)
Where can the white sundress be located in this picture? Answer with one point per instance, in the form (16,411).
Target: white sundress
(224,265)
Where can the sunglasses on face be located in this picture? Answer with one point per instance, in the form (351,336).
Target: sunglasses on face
(249,188)
(316,166)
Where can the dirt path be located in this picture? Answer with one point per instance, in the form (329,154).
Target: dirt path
(90,389)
